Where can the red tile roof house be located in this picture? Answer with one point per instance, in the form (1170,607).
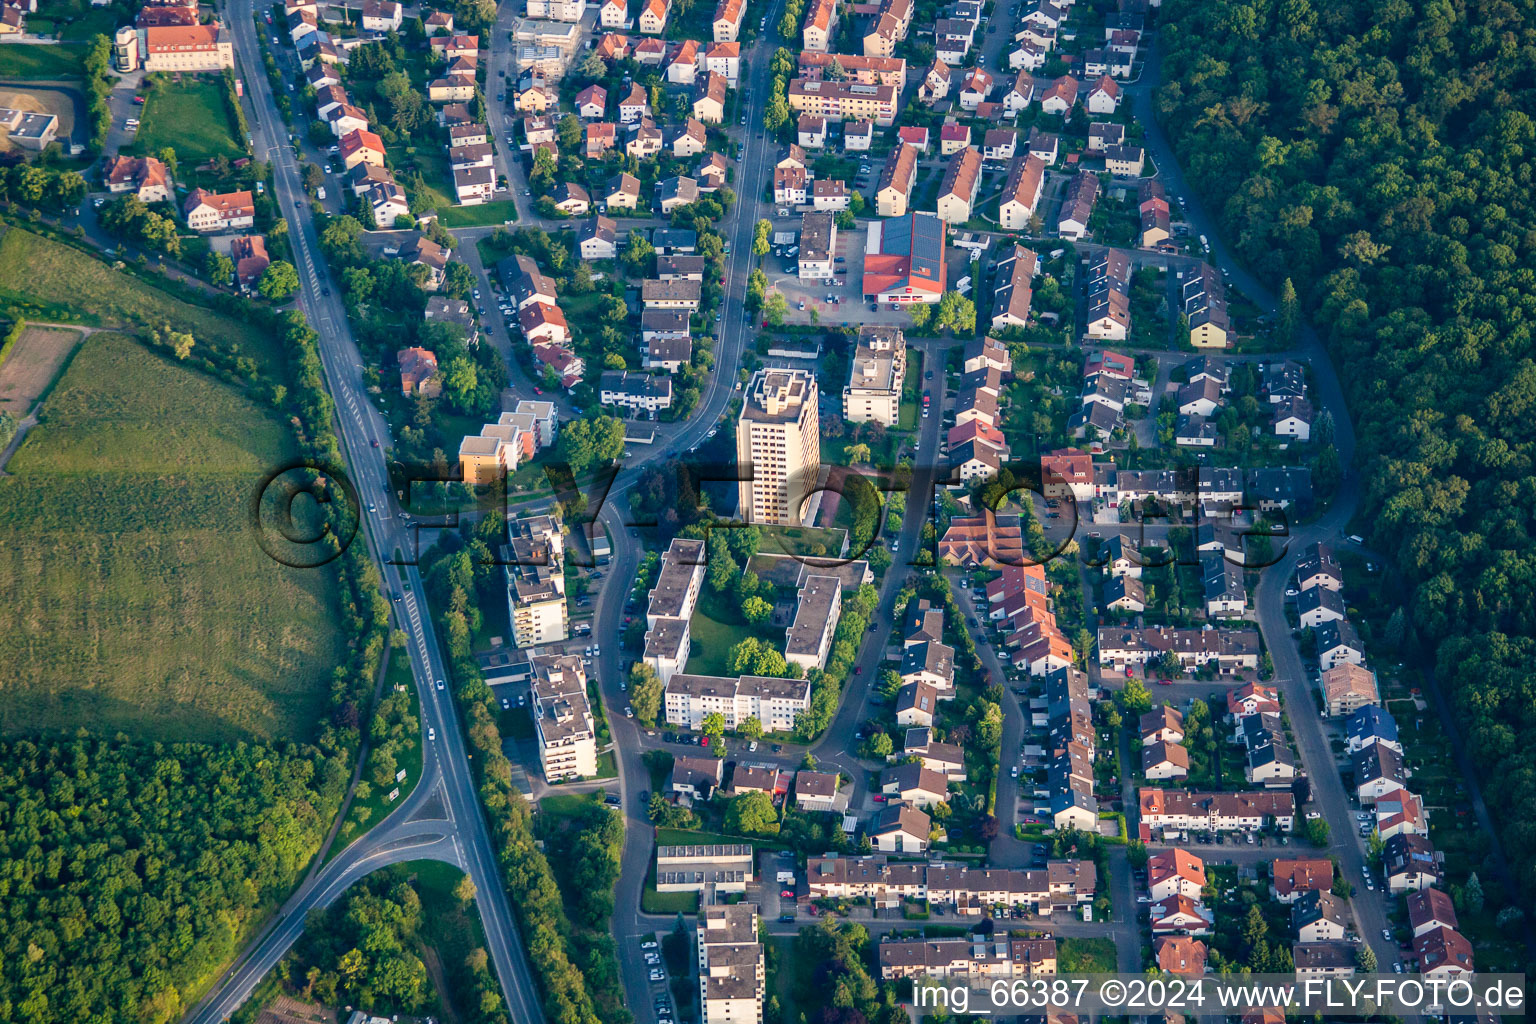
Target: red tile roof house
(542,322)
(145,176)
(418,372)
(211,211)
(251,261)
(563,361)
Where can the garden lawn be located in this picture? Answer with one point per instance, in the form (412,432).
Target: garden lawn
(715,630)
(653,902)
(42,279)
(189,117)
(1085,956)
(485,215)
(436,173)
(687,837)
(138,598)
(67,60)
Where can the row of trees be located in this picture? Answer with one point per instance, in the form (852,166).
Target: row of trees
(36,184)
(1377,156)
(577,974)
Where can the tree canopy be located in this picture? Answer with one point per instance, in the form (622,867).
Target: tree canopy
(133,871)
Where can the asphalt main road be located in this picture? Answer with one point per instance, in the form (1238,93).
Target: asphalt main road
(446,772)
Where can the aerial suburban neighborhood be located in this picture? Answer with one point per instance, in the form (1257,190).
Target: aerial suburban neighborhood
(762,513)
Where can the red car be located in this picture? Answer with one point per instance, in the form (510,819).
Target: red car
(788,894)
(138,99)
(879,798)
(858,670)
(1165,682)
(538,391)
(703,741)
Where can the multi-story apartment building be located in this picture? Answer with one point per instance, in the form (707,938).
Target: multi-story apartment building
(875,377)
(672,601)
(897,177)
(778,440)
(562,718)
(535,557)
(844,100)
(868,70)
(809,638)
(557,10)
(1021,193)
(967,890)
(1216,812)
(776,703)
(731,969)
(187,48)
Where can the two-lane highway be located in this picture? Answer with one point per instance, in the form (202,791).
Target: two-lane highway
(447,776)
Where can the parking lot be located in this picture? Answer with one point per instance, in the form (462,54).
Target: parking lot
(836,302)
(656,971)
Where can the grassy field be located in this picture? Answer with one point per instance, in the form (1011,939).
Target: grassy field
(138,599)
(653,902)
(48,280)
(55,62)
(485,215)
(189,117)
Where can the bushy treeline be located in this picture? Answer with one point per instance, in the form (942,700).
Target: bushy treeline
(576,969)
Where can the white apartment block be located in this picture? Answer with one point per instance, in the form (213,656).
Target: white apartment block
(562,718)
(809,639)
(731,974)
(557,10)
(535,556)
(778,436)
(875,377)
(670,607)
(774,702)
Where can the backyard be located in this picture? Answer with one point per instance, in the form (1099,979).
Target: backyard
(189,116)
(140,600)
(716,627)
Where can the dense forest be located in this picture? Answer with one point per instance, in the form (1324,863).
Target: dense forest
(129,871)
(1381,154)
